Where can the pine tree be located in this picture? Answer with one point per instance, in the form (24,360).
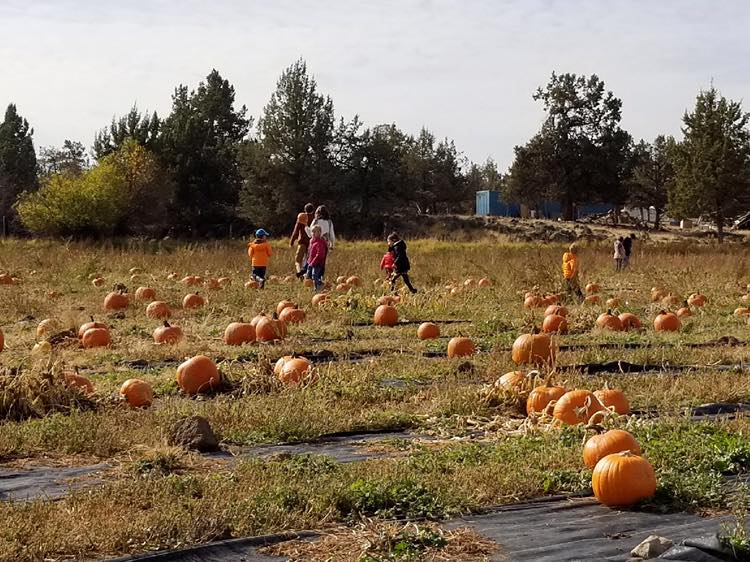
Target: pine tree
(712,161)
(653,174)
(17,164)
(144,129)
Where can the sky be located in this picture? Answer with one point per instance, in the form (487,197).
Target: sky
(465,69)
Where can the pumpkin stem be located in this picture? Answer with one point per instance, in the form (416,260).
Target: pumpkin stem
(166,324)
(92,317)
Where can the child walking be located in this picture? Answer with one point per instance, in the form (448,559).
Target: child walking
(259,252)
(401,265)
(316,258)
(386,264)
(570,271)
(619,256)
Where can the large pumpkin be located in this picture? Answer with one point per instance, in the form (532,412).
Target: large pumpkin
(666,322)
(145,294)
(167,334)
(541,396)
(193,300)
(629,321)
(385,315)
(460,347)
(292,315)
(607,443)
(555,324)
(294,370)
(623,479)
(576,406)
(270,329)
(95,337)
(115,301)
(198,374)
(428,331)
(158,310)
(608,321)
(238,333)
(533,349)
(614,398)
(137,393)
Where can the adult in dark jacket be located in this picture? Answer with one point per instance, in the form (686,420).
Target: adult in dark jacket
(401,265)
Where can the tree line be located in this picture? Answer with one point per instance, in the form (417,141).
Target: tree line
(210,169)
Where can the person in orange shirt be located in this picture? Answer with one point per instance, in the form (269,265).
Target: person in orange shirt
(259,252)
(570,268)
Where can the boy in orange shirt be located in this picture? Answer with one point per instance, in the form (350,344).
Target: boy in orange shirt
(570,271)
(259,252)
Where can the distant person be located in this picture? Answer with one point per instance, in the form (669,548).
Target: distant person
(302,239)
(570,267)
(316,258)
(323,219)
(259,252)
(628,244)
(401,265)
(386,264)
(619,255)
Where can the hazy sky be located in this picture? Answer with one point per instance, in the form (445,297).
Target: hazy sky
(465,69)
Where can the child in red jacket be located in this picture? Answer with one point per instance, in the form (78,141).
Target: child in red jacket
(316,257)
(386,264)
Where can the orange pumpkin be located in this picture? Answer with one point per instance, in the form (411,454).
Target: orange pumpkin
(294,370)
(98,281)
(608,321)
(342,287)
(541,396)
(461,347)
(666,322)
(385,315)
(534,349)
(741,311)
(354,281)
(514,381)
(158,310)
(683,312)
(629,321)
(224,281)
(623,479)
(198,374)
(115,301)
(614,398)
(213,284)
(257,319)
(613,302)
(557,309)
(145,294)
(484,282)
(428,331)
(280,364)
(390,300)
(319,299)
(95,337)
(238,333)
(671,300)
(282,305)
(193,300)
(696,299)
(608,443)
(292,315)
(592,299)
(191,280)
(88,325)
(576,406)
(168,334)
(592,288)
(533,301)
(657,294)
(46,327)
(555,324)
(80,382)
(137,393)
(270,329)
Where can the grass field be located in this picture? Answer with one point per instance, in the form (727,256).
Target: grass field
(483,452)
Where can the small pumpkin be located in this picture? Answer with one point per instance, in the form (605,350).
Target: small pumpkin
(293,315)
(484,282)
(623,479)
(95,337)
(592,288)
(607,443)
(238,333)
(741,311)
(158,310)
(428,331)
(46,327)
(294,370)
(533,349)
(576,406)
(533,301)
(592,299)
(557,309)
(683,312)
(213,284)
(78,381)
(270,329)
(657,294)
(116,300)
(138,393)
(252,284)
(198,374)
(608,321)
(542,396)
(282,305)
(696,299)
(354,281)
(460,347)
(191,280)
(555,324)
(666,322)
(98,281)
(385,315)
(89,325)
(193,300)
(341,287)
(671,300)
(514,381)
(145,294)
(168,334)
(319,299)
(224,281)
(613,398)
(629,321)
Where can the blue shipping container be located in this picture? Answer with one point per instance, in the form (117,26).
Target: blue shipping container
(489,204)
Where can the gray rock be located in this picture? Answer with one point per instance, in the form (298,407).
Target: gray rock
(652,547)
(194,433)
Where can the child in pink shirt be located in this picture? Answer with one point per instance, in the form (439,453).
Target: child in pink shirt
(316,257)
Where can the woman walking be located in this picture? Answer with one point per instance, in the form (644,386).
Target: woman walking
(323,221)
(619,255)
